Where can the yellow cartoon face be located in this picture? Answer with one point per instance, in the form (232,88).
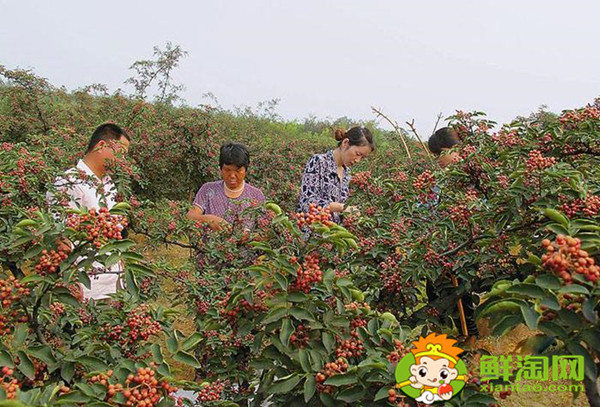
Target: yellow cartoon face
(430,372)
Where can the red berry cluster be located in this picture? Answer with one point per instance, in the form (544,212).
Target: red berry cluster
(425,181)
(400,176)
(508,139)
(565,258)
(57,310)
(307,274)
(503,181)
(572,118)
(504,394)
(537,162)
(138,326)
(589,206)
(140,390)
(348,348)
(361,179)
(315,214)
(300,337)
(11,291)
(212,392)
(400,351)
(9,384)
(99,226)
(258,305)
(459,213)
(49,261)
(331,369)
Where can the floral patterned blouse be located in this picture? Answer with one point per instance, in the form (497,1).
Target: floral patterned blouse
(322,185)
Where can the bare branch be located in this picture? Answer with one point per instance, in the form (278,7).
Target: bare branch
(397,129)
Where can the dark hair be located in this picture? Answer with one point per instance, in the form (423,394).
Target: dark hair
(106,131)
(443,138)
(234,153)
(357,136)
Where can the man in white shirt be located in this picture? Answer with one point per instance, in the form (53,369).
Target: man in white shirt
(88,185)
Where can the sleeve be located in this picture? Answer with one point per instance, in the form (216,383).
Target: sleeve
(66,192)
(201,199)
(311,190)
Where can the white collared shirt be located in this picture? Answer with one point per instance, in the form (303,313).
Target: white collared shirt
(83,186)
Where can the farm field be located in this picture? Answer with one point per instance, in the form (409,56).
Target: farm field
(299,311)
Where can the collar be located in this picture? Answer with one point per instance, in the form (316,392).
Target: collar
(81,165)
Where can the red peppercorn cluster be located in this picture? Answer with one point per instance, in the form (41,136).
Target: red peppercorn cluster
(315,214)
(565,258)
(308,274)
(301,336)
(258,305)
(49,261)
(57,309)
(459,213)
(425,181)
(11,291)
(400,351)
(349,348)
(361,179)
(572,118)
(400,176)
(508,139)
(589,206)
(142,389)
(138,326)
(99,226)
(537,162)
(331,369)
(212,392)
(9,384)
(504,394)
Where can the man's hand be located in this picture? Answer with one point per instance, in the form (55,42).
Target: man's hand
(352,210)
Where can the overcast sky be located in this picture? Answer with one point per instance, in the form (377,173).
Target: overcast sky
(323,57)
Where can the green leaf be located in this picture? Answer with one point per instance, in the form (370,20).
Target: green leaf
(285,384)
(19,336)
(507,323)
(43,353)
(297,296)
(556,216)
(341,380)
(286,331)
(328,341)
(67,371)
(352,394)
(282,281)
(589,365)
(191,341)
(186,358)
(551,302)
(93,363)
(530,316)
(301,314)
(172,343)
(551,328)
(574,289)
(383,393)
(557,229)
(304,358)
(157,356)
(310,386)
(588,310)
(26,366)
(6,359)
(274,314)
(528,290)
(548,281)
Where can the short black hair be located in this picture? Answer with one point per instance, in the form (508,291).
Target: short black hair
(106,131)
(357,136)
(234,154)
(443,138)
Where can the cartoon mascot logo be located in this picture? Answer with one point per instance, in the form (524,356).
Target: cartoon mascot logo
(432,371)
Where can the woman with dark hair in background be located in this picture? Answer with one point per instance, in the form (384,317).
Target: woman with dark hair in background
(441,144)
(326,178)
(220,202)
